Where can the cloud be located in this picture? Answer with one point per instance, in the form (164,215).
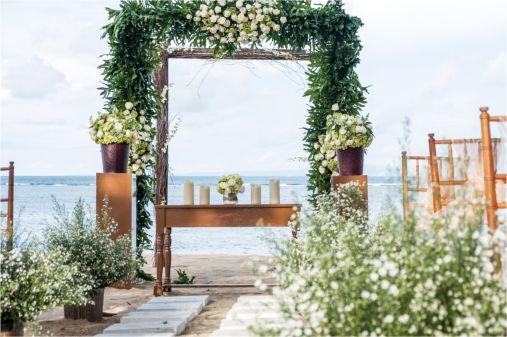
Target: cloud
(32,79)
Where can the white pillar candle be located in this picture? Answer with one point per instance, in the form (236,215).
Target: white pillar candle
(188,193)
(256,194)
(274,191)
(204,196)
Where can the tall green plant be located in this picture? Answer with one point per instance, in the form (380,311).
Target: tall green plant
(101,260)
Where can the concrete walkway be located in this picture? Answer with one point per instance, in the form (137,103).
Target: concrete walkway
(161,317)
(248,311)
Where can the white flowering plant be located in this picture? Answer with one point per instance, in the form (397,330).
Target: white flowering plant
(34,280)
(90,246)
(345,278)
(236,22)
(347,131)
(232,183)
(115,127)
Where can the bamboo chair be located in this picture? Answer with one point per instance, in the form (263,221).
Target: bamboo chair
(436,169)
(8,230)
(490,175)
(406,187)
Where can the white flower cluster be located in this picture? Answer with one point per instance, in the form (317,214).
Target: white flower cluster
(232,183)
(89,244)
(32,282)
(343,277)
(238,22)
(347,131)
(327,157)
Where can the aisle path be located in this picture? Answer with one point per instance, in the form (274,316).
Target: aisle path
(248,311)
(161,317)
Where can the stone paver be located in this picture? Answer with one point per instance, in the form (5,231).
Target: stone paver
(160,317)
(248,311)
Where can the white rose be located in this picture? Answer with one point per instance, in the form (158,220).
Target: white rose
(316,146)
(319,156)
(330,154)
(283,19)
(223,40)
(322,170)
(335,107)
(218,9)
(214,18)
(276,28)
(325,163)
(227,13)
(342,131)
(189,17)
(222,20)
(129,106)
(276,11)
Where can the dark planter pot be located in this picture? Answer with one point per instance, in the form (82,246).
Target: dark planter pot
(115,157)
(94,311)
(350,161)
(11,328)
(71,311)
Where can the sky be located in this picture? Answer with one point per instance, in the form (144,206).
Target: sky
(435,62)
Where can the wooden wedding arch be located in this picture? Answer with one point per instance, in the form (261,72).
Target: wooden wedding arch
(179,216)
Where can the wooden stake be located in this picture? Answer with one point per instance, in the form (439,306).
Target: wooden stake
(489,171)
(435,180)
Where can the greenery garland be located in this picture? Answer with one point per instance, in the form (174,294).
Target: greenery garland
(137,30)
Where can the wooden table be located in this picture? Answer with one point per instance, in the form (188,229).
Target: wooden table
(202,216)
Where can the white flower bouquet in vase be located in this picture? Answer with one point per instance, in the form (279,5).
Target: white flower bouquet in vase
(229,186)
(349,136)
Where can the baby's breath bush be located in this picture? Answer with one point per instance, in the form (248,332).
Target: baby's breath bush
(90,246)
(342,277)
(32,281)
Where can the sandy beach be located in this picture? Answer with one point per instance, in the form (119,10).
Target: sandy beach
(206,269)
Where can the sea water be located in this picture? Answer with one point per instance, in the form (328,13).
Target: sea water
(34,209)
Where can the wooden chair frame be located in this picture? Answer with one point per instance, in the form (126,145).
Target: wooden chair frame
(10,204)
(436,171)
(406,188)
(490,174)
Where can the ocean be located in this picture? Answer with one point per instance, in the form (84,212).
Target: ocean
(34,209)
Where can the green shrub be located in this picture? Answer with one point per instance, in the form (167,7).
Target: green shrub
(342,277)
(32,281)
(89,245)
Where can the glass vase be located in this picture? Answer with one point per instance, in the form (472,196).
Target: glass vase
(231,199)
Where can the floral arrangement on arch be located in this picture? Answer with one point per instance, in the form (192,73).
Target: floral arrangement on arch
(232,183)
(238,22)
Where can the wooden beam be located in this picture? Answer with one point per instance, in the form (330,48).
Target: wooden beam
(162,160)
(241,54)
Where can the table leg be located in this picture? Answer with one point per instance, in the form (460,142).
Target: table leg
(157,291)
(167,259)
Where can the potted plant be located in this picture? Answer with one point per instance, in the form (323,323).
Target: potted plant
(229,186)
(33,280)
(349,136)
(115,131)
(99,258)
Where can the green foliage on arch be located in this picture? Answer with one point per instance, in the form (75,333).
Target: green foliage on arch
(137,30)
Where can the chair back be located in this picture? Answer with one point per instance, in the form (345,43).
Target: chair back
(492,177)
(8,230)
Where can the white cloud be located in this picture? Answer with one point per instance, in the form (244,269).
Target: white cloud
(32,79)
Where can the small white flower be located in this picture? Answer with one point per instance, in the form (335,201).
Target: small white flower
(389,319)
(403,318)
(283,19)
(335,107)
(129,105)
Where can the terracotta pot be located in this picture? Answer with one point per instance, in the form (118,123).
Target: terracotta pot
(94,311)
(115,157)
(11,328)
(71,311)
(350,161)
